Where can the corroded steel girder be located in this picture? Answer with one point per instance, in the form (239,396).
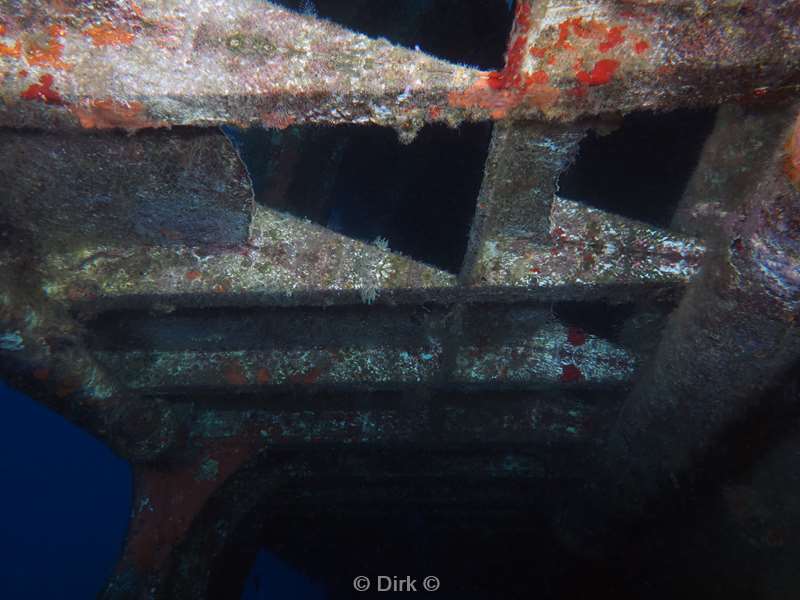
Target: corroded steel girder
(734,336)
(162,63)
(41,352)
(72,192)
(145,296)
(589,253)
(514,347)
(568,60)
(153,64)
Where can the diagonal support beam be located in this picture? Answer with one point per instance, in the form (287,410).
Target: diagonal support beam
(589,253)
(151,63)
(162,63)
(519,181)
(285,260)
(570,59)
(734,335)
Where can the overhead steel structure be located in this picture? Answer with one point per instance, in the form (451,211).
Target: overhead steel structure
(240,357)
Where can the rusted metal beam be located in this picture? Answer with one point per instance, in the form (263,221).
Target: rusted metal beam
(519,182)
(154,63)
(285,260)
(288,261)
(41,353)
(589,253)
(74,192)
(518,347)
(734,335)
(186,518)
(150,64)
(570,59)
(539,362)
(739,149)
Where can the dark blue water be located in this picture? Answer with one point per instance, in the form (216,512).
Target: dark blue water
(271,578)
(65,504)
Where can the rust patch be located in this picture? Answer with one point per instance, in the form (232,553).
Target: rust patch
(277,119)
(262,376)
(41,374)
(234,373)
(108,34)
(570,374)
(791,165)
(109,114)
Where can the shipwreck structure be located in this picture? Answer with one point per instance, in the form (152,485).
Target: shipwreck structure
(273,381)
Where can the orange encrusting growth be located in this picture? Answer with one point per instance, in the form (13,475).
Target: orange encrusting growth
(136,10)
(607,37)
(499,92)
(5,50)
(483,95)
(576,336)
(601,73)
(109,114)
(42,91)
(614,38)
(109,35)
(50,55)
(14,51)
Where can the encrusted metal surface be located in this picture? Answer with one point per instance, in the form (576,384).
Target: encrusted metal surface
(72,192)
(156,63)
(145,296)
(162,63)
(588,248)
(285,260)
(570,59)
(397,348)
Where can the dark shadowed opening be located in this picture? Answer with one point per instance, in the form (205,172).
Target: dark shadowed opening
(641,169)
(363,183)
(445,28)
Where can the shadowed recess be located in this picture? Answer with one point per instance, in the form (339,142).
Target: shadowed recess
(641,169)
